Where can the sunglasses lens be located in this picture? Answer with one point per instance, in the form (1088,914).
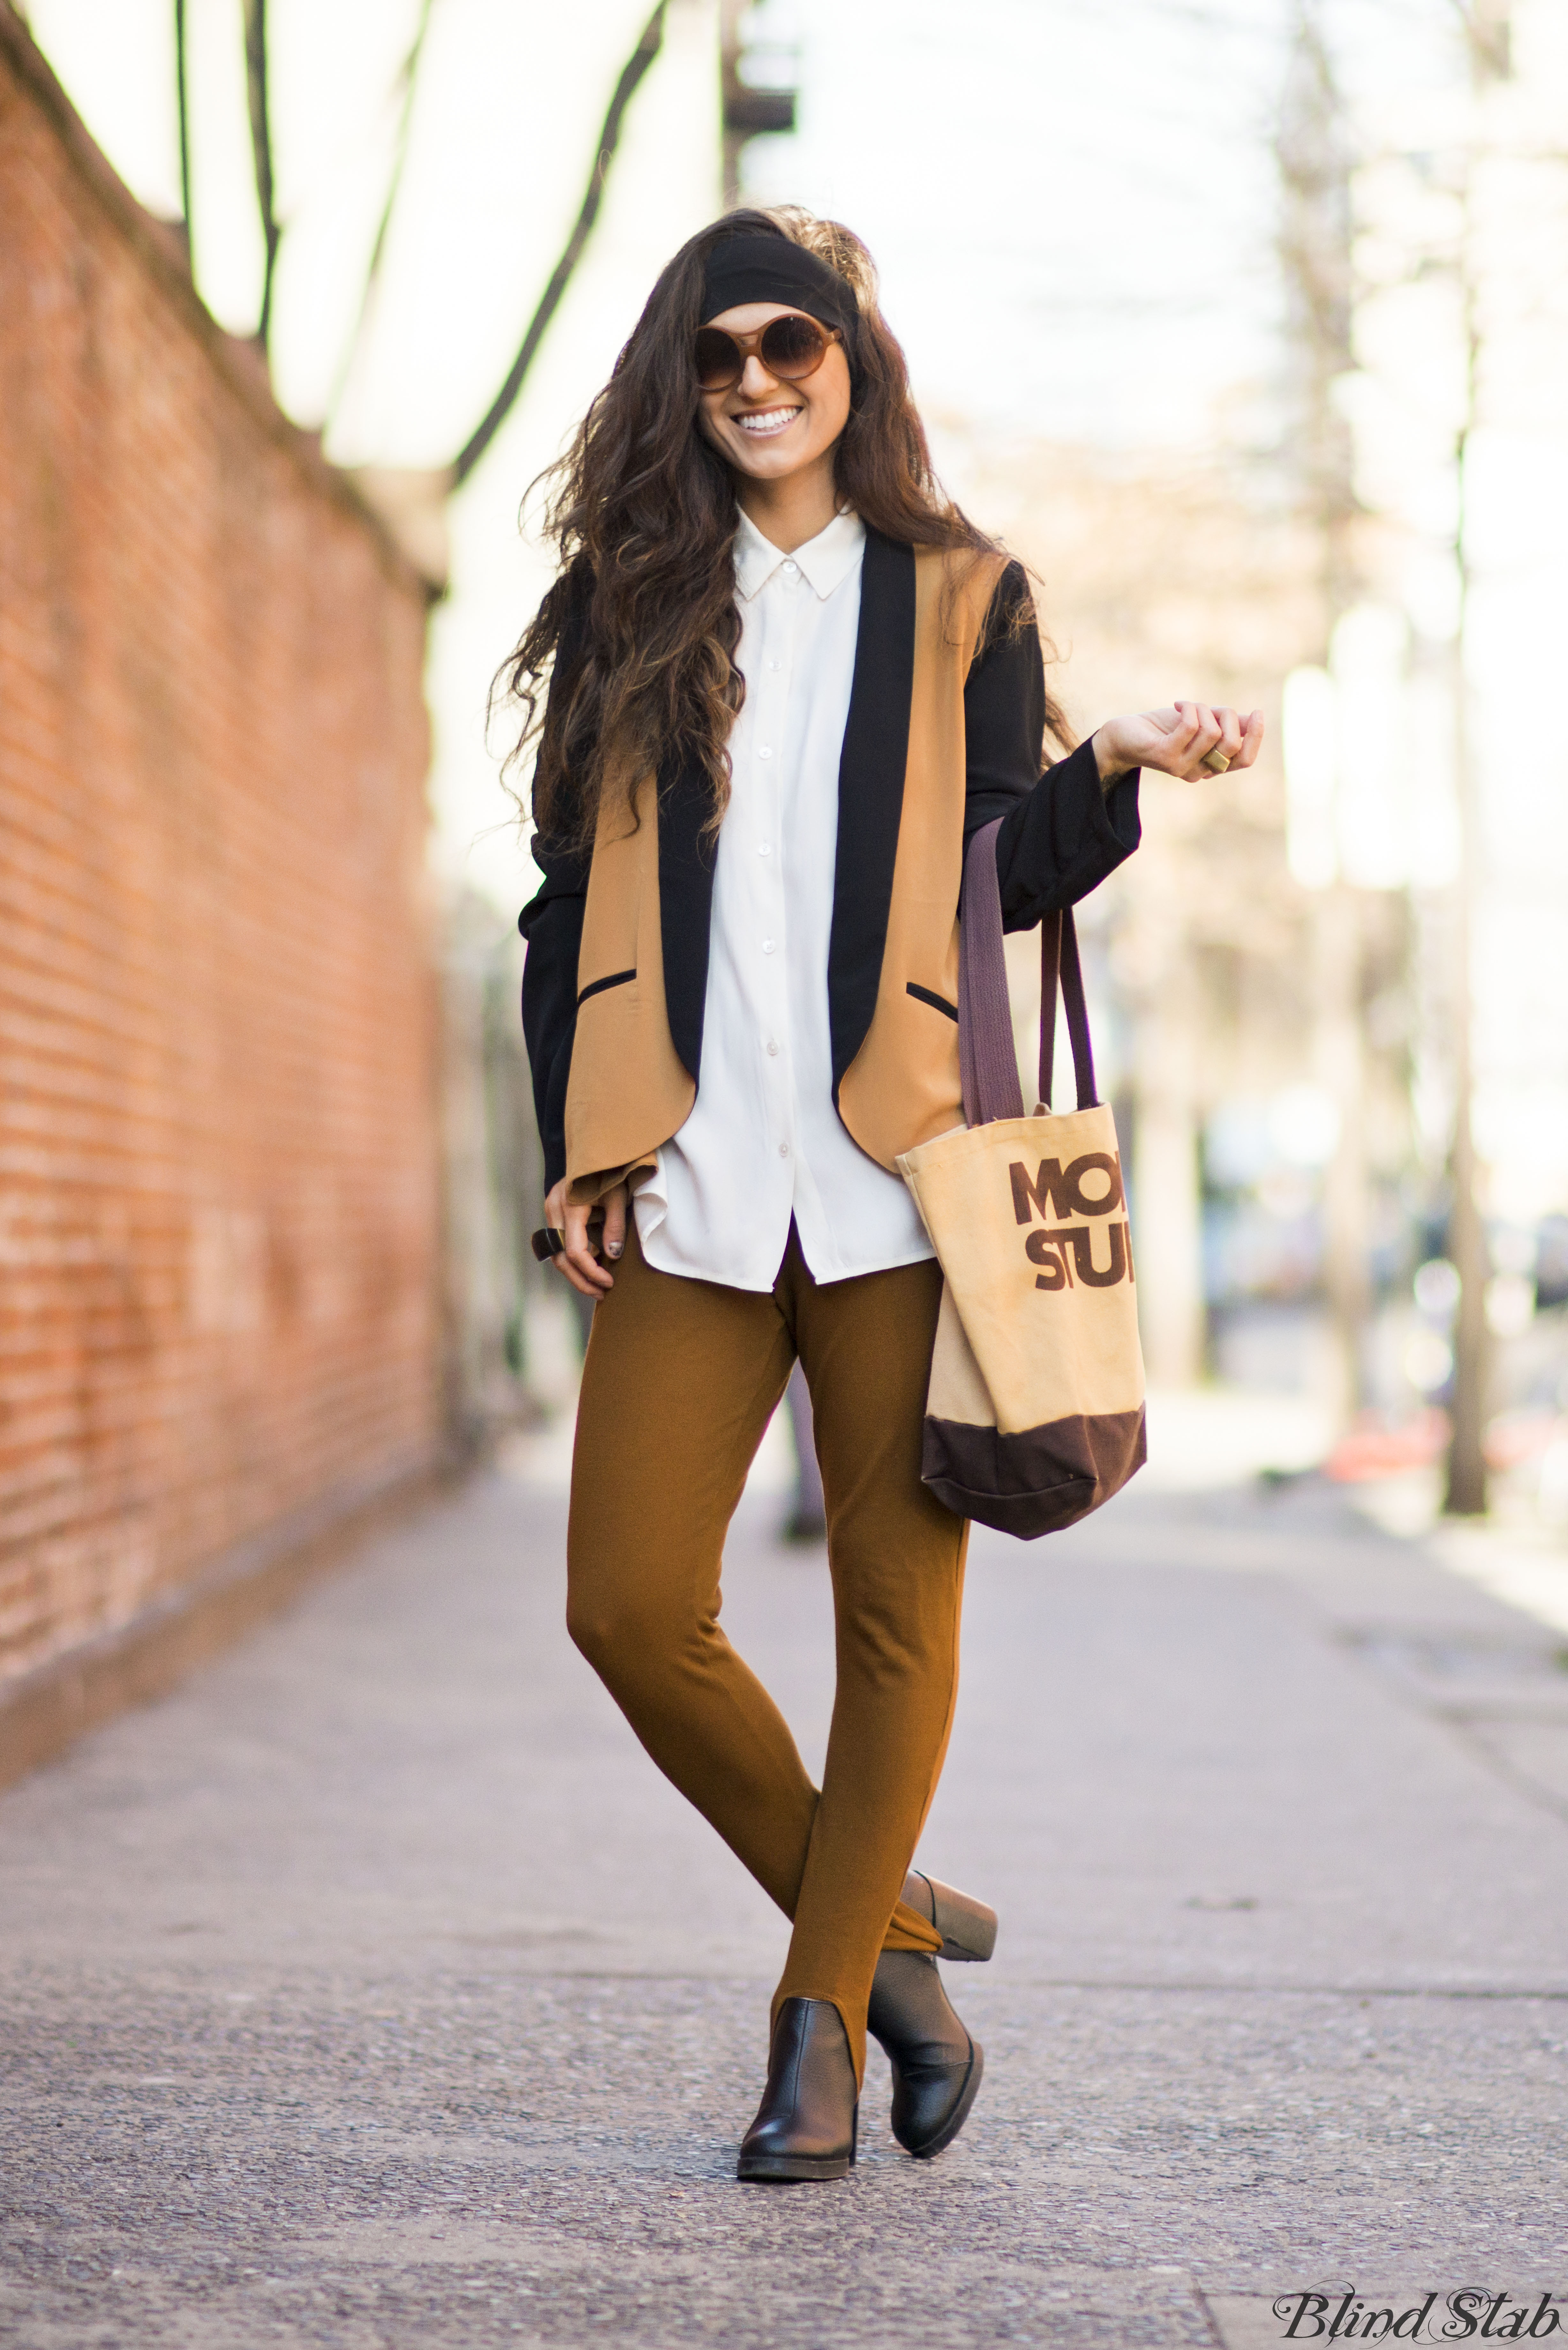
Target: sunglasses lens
(719,361)
(792,347)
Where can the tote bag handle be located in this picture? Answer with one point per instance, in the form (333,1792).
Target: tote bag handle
(988,1065)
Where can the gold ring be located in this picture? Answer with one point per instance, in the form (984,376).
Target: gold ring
(1216,762)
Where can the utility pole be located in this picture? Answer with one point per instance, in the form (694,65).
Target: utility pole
(1465,1487)
(1488,33)
(1316,159)
(753,101)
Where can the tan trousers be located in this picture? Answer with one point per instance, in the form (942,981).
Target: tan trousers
(680,1381)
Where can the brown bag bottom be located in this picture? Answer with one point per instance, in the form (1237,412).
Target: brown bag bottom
(1038,1481)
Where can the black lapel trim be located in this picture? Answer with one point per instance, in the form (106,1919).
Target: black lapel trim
(870,792)
(685,907)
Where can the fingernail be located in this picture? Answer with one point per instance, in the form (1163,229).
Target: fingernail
(613,1248)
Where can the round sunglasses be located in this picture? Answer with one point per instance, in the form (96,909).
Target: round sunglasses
(791,347)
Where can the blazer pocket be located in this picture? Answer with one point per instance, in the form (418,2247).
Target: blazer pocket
(921,994)
(616,979)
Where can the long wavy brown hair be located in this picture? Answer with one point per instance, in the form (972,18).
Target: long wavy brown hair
(641,627)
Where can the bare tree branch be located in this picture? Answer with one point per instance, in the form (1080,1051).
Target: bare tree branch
(183,104)
(1487,28)
(261,150)
(403,89)
(1315,158)
(631,74)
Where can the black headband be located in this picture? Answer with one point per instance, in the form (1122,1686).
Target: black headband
(775,269)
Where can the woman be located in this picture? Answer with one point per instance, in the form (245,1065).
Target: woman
(787,681)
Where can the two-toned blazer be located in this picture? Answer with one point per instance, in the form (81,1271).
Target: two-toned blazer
(945,731)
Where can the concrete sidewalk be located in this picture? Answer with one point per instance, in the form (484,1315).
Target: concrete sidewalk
(343,1989)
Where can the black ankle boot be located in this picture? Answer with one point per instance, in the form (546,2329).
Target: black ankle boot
(805,2124)
(937,2066)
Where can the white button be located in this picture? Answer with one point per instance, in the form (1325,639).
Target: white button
(772,1048)
(764,753)
(764,848)
(774,664)
(784,1151)
(790,568)
(767,946)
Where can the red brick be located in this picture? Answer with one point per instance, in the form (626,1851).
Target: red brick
(219,1219)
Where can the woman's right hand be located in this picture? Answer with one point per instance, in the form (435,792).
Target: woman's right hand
(1178,741)
(577,1261)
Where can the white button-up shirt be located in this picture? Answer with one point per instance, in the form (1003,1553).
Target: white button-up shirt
(764,1142)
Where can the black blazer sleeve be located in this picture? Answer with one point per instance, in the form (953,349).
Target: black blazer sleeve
(1061,832)
(552,923)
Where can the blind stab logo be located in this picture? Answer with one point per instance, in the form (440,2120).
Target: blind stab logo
(1066,1256)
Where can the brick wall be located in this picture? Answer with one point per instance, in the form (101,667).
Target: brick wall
(218,1188)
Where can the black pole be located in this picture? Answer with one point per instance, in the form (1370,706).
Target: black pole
(635,66)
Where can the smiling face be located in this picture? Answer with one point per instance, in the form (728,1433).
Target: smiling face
(770,430)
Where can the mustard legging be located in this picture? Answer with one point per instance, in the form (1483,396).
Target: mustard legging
(680,1381)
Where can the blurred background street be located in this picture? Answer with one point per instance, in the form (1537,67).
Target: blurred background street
(1245,323)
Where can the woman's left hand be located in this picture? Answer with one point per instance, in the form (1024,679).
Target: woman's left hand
(1177,741)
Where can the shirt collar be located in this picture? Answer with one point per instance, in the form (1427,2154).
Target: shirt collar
(824,561)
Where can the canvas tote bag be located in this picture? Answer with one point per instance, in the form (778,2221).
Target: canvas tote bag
(1035,1411)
